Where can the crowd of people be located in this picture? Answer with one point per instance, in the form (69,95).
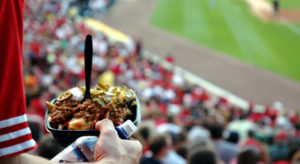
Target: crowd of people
(182,121)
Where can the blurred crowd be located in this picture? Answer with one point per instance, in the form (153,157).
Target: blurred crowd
(182,122)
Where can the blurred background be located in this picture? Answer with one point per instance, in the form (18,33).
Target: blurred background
(218,79)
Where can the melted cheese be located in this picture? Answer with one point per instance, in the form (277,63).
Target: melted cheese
(78,124)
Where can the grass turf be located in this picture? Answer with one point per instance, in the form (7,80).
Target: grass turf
(288,4)
(230,27)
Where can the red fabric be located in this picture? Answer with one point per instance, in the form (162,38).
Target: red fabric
(12,102)
(294,119)
(186,112)
(162,107)
(256,117)
(179,95)
(253,143)
(145,149)
(282,162)
(13,128)
(115,69)
(60,22)
(159,122)
(15,141)
(204,96)
(282,135)
(37,107)
(19,152)
(169,59)
(271,112)
(35,48)
(223,100)
(11,79)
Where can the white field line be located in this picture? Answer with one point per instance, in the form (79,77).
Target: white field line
(212,88)
(293,28)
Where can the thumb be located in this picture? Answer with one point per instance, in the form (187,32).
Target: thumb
(106,128)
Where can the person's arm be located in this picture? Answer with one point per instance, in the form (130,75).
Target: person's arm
(30,159)
(109,149)
(14,131)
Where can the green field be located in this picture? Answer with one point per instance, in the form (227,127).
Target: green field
(289,4)
(230,27)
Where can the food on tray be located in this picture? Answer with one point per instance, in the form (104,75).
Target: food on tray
(69,112)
